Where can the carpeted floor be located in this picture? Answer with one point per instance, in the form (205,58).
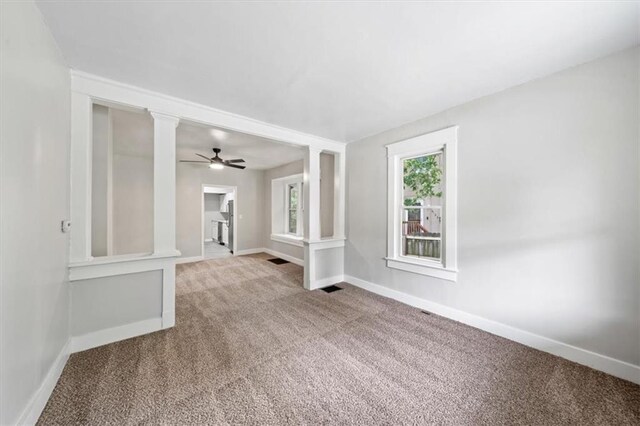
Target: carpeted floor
(252,347)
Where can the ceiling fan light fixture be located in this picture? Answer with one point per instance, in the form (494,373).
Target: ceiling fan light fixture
(216,166)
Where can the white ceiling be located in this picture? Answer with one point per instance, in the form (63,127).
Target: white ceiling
(338,70)
(133,135)
(257,152)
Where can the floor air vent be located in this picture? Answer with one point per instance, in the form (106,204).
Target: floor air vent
(278,261)
(331,288)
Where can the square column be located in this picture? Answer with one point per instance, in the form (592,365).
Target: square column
(164,183)
(339,194)
(81,162)
(311,191)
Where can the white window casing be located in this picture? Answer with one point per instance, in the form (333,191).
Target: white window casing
(280,210)
(444,141)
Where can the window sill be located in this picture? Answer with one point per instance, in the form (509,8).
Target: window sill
(287,239)
(418,267)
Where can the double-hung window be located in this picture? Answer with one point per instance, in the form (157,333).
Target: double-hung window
(293,211)
(287,210)
(421,229)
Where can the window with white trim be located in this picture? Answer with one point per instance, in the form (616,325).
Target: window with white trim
(422,188)
(293,211)
(287,215)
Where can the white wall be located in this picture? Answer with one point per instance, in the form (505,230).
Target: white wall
(122,185)
(101,181)
(548,208)
(326,194)
(34,198)
(132,183)
(132,204)
(248,206)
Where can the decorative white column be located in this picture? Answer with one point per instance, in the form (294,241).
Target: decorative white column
(311,193)
(339,194)
(81,160)
(164,183)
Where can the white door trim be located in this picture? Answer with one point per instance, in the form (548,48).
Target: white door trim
(233,189)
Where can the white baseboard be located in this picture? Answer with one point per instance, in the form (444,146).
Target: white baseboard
(189,259)
(38,401)
(284,256)
(324,282)
(249,251)
(615,367)
(114,334)
(246,252)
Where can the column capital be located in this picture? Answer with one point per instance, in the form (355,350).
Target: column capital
(157,115)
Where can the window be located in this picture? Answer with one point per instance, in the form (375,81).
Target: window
(422,204)
(294,210)
(287,218)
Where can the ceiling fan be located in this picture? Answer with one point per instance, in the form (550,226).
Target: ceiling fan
(217,162)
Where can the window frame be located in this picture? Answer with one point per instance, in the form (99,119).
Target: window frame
(444,141)
(298,209)
(279,210)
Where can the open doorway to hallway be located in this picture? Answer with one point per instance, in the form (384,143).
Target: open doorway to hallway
(219,223)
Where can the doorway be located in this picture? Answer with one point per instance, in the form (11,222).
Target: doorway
(219,224)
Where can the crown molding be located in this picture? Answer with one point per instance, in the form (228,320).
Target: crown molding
(103,90)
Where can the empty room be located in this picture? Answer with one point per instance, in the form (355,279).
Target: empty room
(310,212)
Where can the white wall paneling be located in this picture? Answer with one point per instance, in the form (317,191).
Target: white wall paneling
(323,263)
(109,272)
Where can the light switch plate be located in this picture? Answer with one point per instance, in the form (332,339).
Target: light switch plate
(65,226)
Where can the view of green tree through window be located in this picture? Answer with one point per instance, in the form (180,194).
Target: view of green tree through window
(423,193)
(293,200)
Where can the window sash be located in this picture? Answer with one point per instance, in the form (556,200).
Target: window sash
(444,141)
(293,211)
(421,244)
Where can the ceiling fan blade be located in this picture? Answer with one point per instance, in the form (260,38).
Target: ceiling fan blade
(206,158)
(237,160)
(193,161)
(234,166)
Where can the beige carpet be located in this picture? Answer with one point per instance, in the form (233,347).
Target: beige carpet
(252,347)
